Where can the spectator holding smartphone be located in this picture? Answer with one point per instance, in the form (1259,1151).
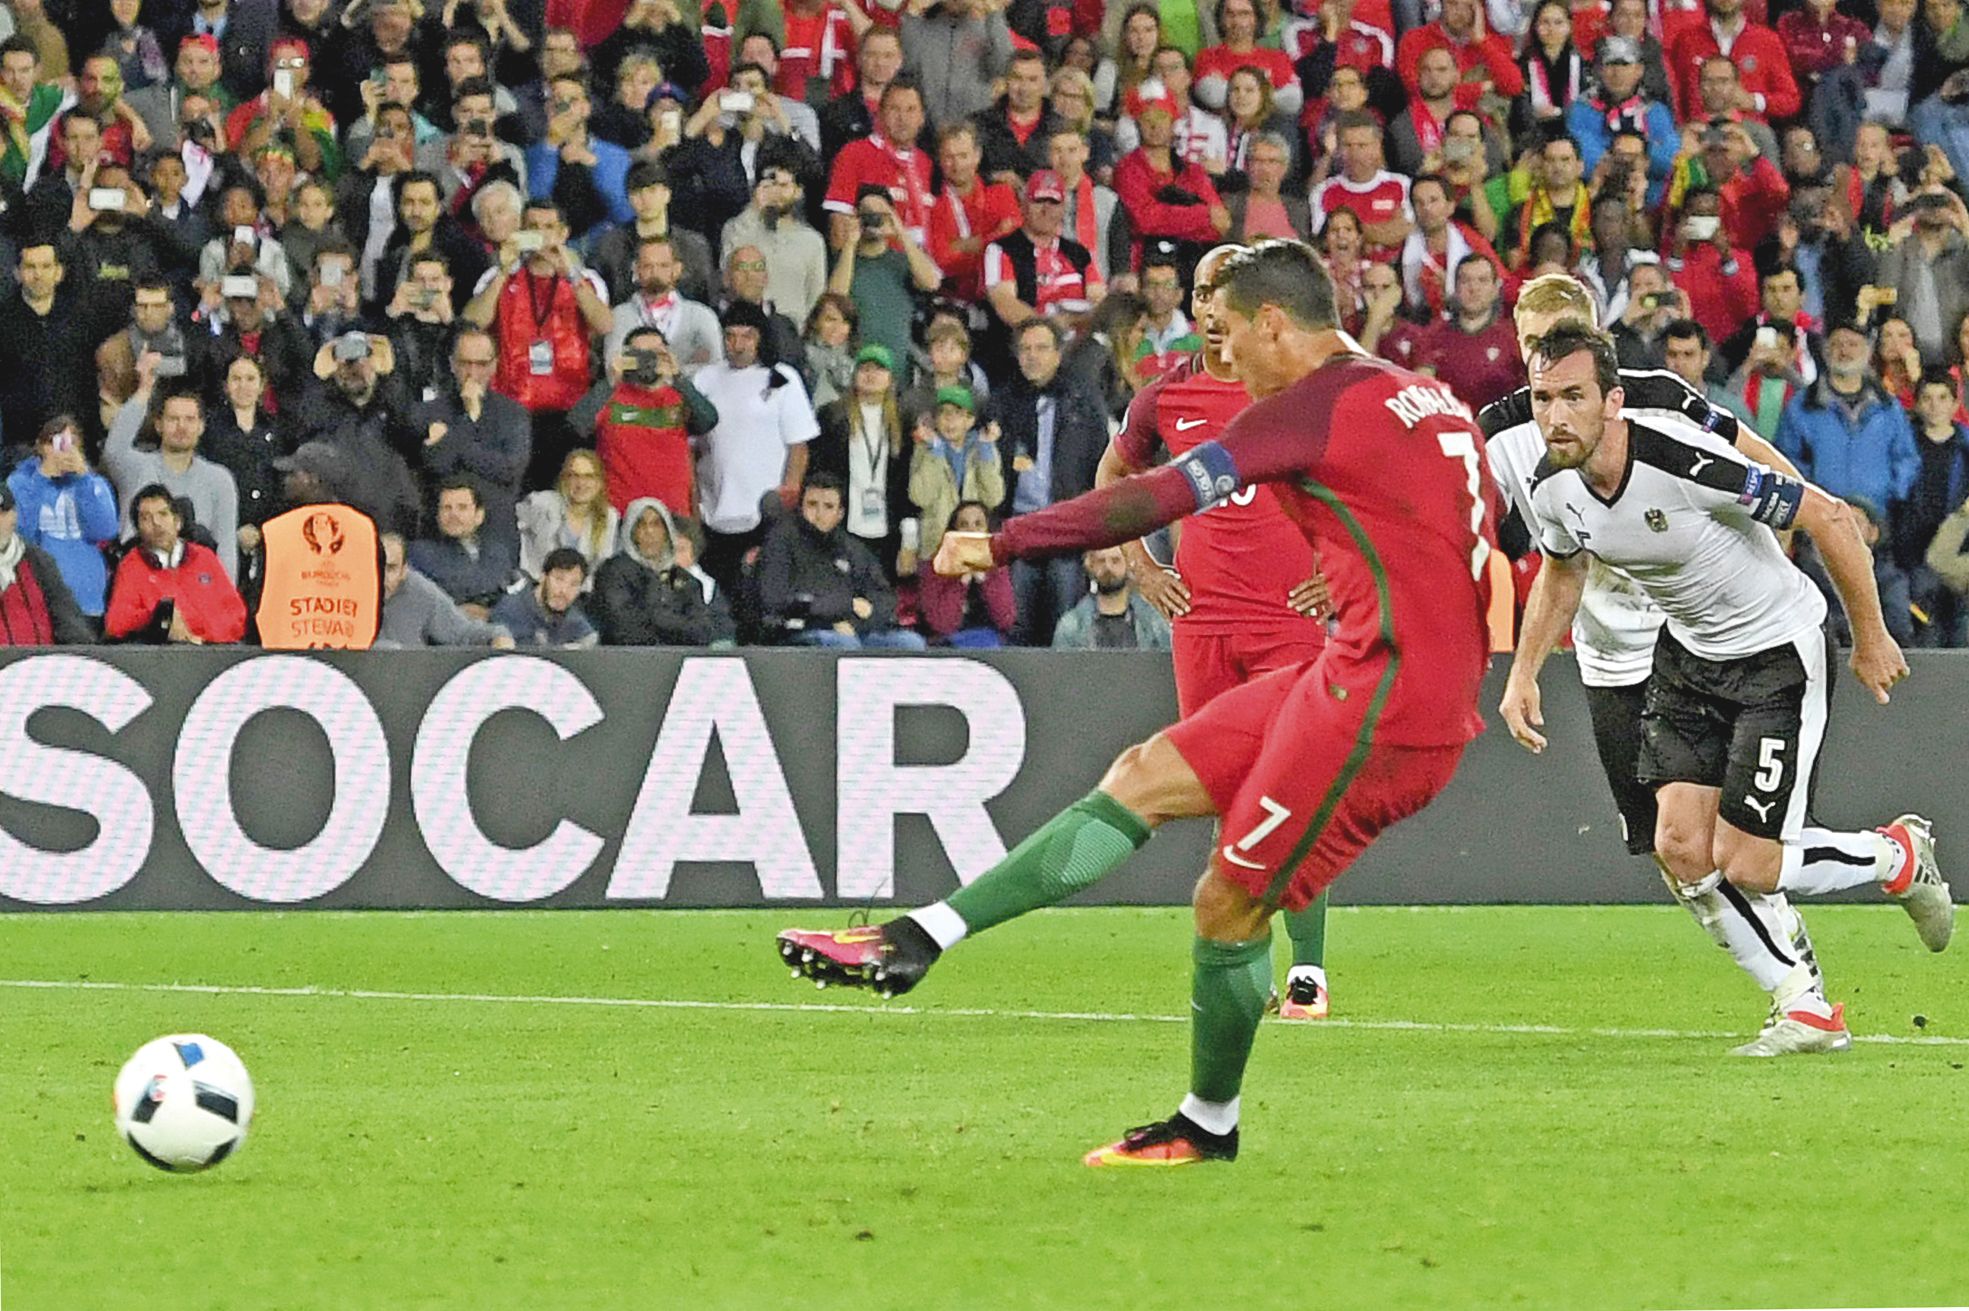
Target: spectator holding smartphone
(67,510)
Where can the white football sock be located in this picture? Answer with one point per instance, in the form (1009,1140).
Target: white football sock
(1819,861)
(944,925)
(1314,972)
(1802,990)
(1753,934)
(1217,1117)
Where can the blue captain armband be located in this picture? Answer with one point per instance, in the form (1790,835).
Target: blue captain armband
(1211,472)
(1772,498)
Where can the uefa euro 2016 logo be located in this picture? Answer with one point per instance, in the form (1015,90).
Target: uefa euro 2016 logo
(322,533)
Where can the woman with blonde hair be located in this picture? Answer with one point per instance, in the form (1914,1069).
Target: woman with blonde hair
(574,513)
(1073,98)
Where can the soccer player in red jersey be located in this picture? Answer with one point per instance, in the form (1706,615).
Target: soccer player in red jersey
(1305,766)
(1244,597)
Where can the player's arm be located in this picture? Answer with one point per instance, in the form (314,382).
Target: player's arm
(1549,612)
(1669,392)
(1120,512)
(1834,528)
(1269,442)
(1549,609)
(1758,450)
(1505,412)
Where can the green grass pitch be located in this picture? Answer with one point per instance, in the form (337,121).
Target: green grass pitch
(1520,1107)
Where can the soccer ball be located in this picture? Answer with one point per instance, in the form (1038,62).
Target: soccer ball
(183,1102)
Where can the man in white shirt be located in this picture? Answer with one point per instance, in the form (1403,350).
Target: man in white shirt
(759,446)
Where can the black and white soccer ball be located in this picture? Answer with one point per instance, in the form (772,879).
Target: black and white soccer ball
(184,1102)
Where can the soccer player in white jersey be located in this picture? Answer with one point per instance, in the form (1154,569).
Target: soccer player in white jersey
(1614,640)
(1736,700)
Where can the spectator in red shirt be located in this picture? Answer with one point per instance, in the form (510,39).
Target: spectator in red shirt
(1818,39)
(1753,191)
(887,159)
(969,215)
(1237,21)
(1035,272)
(1485,59)
(169,589)
(1703,262)
(1378,198)
(820,40)
(1769,89)
(1163,196)
(1475,350)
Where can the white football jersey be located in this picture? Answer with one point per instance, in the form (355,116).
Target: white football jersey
(1692,523)
(1613,635)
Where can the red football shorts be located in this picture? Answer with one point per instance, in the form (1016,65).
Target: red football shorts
(1211,664)
(1300,785)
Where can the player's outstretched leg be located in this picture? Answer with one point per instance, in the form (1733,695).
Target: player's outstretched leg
(1306,995)
(1231,976)
(1147,785)
(1900,857)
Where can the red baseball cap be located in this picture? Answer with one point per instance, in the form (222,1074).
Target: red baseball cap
(1045,185)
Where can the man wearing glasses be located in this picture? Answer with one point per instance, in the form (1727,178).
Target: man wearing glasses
(472,430)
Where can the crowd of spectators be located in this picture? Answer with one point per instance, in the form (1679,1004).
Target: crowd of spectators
(691,322)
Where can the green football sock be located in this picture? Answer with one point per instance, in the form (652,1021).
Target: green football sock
(1307,929)
(1227,996)
(1075,849)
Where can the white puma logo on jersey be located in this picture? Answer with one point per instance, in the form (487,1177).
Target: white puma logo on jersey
(1184,425)
(1702,462)
(1763,808)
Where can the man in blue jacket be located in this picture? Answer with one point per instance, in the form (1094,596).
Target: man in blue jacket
(1618,106)
(67,510)
(1846,434)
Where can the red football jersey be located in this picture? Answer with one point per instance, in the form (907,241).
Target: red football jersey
(1383,469)
(1241,556)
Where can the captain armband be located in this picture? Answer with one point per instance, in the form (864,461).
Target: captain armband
(1210,471)
(1772,498)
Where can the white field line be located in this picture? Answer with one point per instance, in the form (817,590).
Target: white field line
(894,1009)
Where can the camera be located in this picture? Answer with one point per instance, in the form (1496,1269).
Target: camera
(477,127)
(239,286)
(171,366)
(736,102)
(528,242)
(871,219)
(643,367)
(107,199)
(1459,150)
